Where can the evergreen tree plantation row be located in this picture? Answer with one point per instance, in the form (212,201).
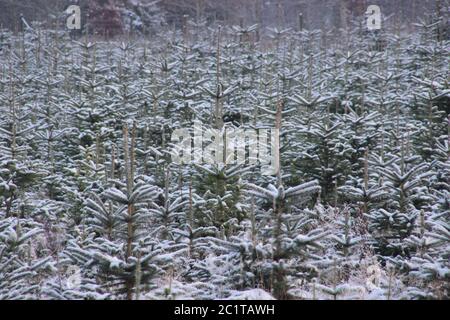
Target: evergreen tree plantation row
(93,207)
